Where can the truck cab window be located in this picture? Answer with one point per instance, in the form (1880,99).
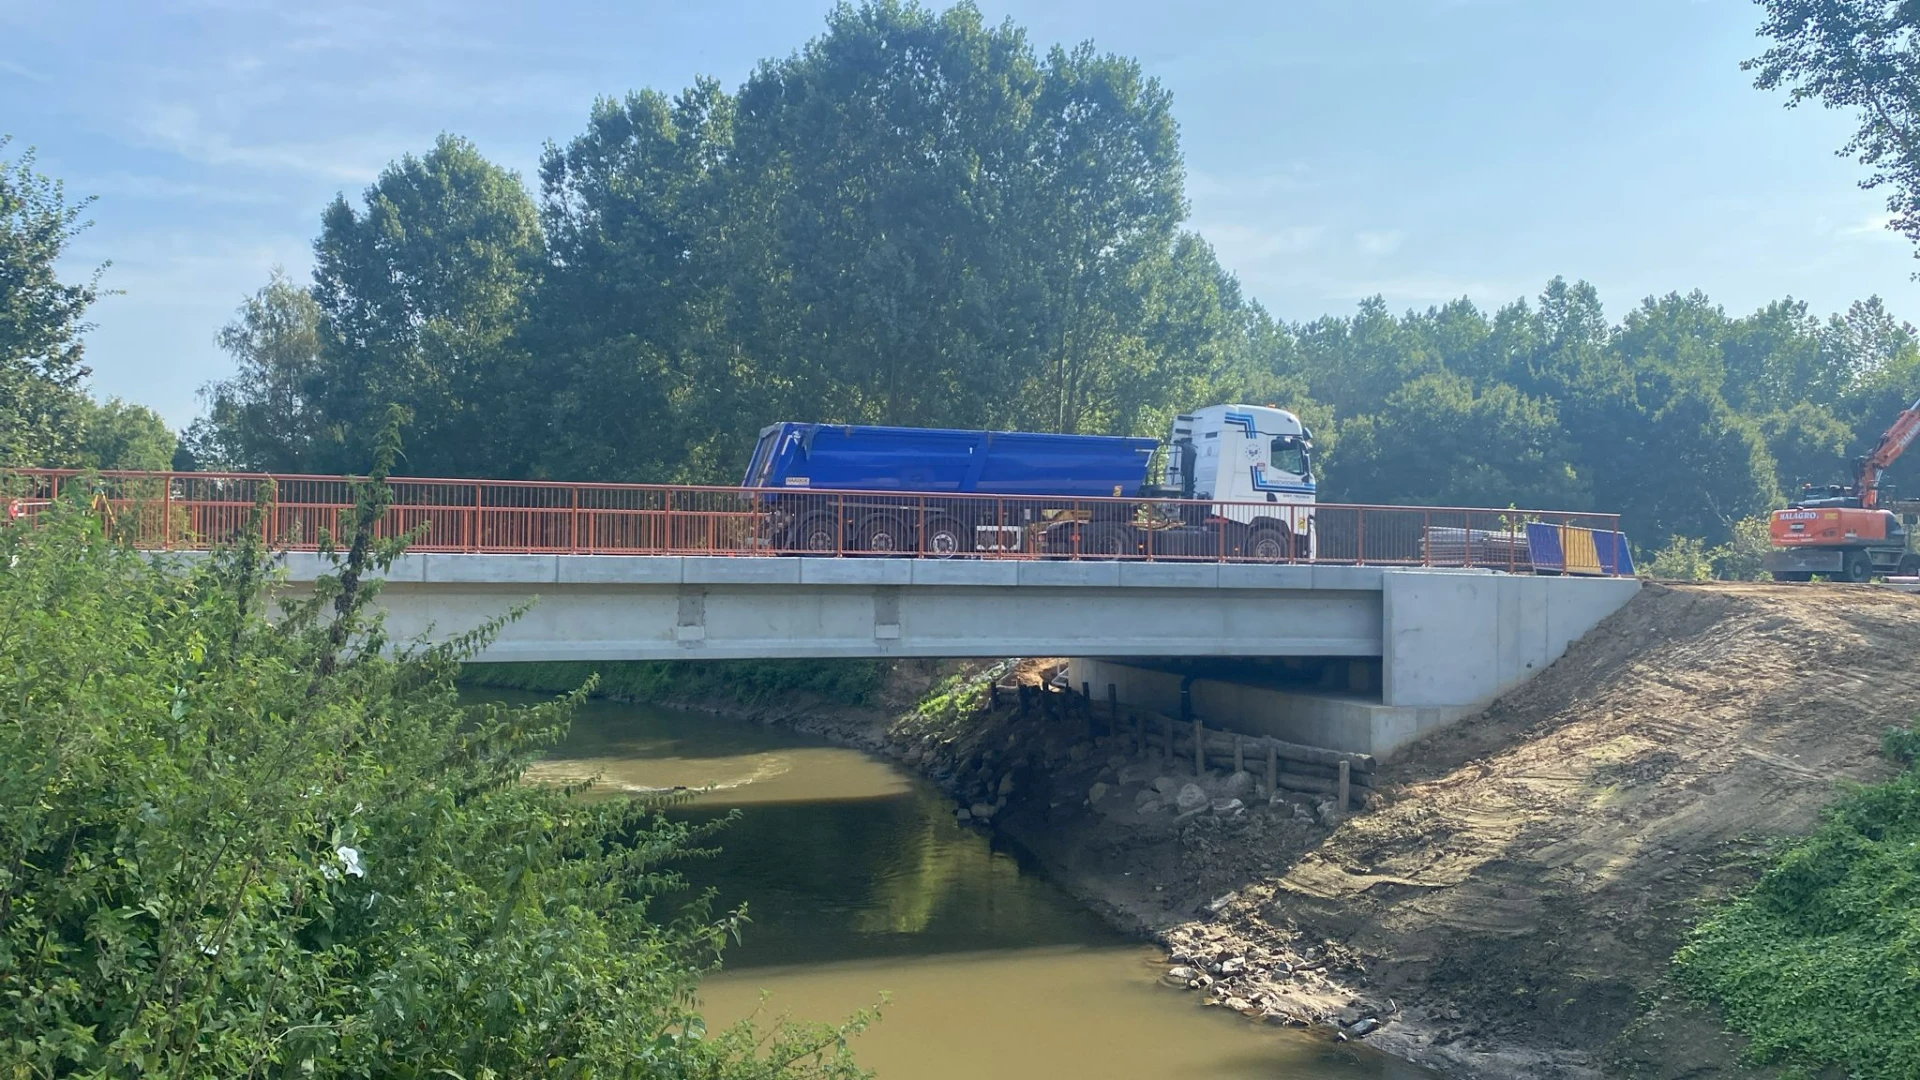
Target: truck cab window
(1289,455)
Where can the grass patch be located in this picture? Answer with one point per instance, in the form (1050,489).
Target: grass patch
(848,682)
(953,699)
(1819,965)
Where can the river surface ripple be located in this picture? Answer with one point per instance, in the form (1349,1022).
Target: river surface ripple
(858,882)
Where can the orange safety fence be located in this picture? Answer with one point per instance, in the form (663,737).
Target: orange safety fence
(191,511)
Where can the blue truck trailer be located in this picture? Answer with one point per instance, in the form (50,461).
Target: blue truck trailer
(793,460)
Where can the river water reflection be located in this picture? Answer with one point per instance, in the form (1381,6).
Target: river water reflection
(858,882)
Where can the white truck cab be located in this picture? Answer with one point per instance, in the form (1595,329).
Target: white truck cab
(1254,462)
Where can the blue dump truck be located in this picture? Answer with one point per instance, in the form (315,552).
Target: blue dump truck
(1251,462)
(793,460)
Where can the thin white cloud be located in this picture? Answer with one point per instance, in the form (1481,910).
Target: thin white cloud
(1378,241)
(1241,245)
(135,186)
(1423,289)
(22,71)
(180,129)
(1207,186)
(1876,225)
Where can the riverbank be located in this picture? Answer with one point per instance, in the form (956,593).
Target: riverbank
(1509,904)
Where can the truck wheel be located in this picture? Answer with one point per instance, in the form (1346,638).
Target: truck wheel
(1857,568)
(1909,566)
(944,539)
(817,534)
(884,534)
(1106,541)
(1267,544)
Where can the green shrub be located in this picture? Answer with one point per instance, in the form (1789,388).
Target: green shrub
(231,846)
(1685,558)
(1819,965)
(1688,558)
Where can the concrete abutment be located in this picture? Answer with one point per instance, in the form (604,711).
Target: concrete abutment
(1451,644)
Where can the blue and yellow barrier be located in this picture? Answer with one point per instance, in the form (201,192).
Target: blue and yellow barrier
(1569,549)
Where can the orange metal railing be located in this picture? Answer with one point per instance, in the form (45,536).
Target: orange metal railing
(187,511)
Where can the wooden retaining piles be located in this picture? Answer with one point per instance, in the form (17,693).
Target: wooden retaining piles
(1289,766)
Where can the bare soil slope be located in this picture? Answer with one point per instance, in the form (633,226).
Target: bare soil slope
(1537,866)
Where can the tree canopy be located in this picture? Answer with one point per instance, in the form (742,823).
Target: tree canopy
(1861,55)
(42,317)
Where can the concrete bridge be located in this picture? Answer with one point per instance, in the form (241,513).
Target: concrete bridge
(1422,646)
(1389,623)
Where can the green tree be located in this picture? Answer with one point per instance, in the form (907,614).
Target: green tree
(1880,357)
(1437,440)
(640,366)
(874,171)
(1774,360)
(42,317)
(1100,212)
(1693,468)
(264,417)
(1858,55)
(117,435)
(422,296)
(1808,444)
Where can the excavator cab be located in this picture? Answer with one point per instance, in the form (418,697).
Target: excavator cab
(1830,495)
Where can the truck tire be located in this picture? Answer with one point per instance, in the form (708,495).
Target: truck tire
(1106,540)
(945,539)
(1909,566)
(1857,568)
(816,534)
(1267,543)
(883,534)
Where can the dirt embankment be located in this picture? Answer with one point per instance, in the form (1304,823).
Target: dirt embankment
(1509,905)
(1538,865)
(1511,909)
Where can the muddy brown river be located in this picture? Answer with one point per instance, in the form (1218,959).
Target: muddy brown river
(859,883)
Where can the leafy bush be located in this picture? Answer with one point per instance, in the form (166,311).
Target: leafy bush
(1816,965)
(238,846)
(1742,558)
(1685,558)
(849,682)
(1688,558)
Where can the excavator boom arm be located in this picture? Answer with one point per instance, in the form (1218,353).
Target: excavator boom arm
(1892,444)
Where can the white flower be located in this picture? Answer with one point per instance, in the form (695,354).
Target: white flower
(350,861)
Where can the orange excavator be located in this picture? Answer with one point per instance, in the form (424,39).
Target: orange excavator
(1843,531)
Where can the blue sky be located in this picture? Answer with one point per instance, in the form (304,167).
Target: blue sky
(1420,149)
